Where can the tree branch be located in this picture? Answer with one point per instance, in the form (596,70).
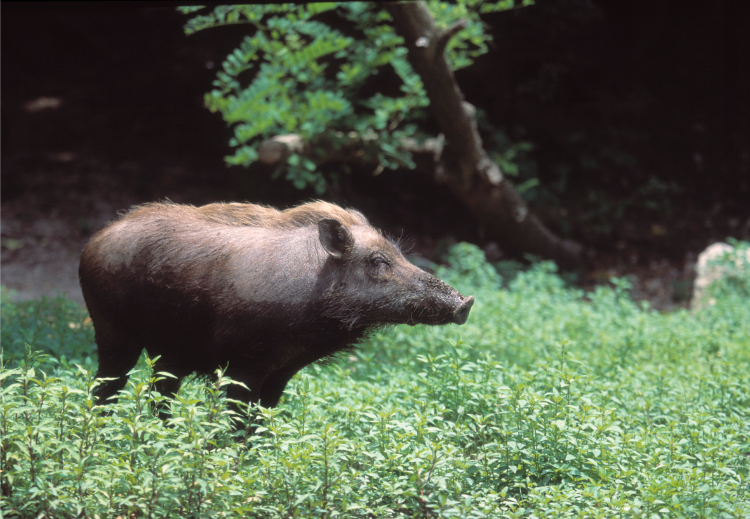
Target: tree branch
(446,35)
(277,150)
(466,167)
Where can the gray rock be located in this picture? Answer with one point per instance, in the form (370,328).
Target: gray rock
(710,269)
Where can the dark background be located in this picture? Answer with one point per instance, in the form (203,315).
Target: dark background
(638,112)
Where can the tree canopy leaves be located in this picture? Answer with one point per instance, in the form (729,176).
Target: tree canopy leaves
(297,72)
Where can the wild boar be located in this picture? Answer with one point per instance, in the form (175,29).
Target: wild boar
(259,291)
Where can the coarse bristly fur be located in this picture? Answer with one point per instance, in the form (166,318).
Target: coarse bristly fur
(251,215)
(262,291)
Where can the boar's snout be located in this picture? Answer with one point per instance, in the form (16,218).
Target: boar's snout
(461,314)
(438,303)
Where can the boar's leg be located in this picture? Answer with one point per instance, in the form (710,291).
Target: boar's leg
(273,387)
(268,393)
(116,359)
(168,387)
(239,393)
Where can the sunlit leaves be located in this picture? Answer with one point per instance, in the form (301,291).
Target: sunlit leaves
(277,80)
(548,402)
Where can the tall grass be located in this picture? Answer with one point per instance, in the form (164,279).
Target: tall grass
(548,403)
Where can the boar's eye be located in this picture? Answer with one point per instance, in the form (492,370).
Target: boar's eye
(378,260)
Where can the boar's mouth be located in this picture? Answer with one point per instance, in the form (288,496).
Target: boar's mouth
(457,315)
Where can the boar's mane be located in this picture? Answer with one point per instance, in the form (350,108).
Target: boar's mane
(250,215)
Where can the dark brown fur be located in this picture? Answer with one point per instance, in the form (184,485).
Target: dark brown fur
(261,291)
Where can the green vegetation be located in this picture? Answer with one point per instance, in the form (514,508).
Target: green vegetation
(548,403)
(298,72)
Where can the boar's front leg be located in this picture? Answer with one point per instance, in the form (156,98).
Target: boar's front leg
(168,386)
(267,393)
(273,387)
(117,356)
(243,395)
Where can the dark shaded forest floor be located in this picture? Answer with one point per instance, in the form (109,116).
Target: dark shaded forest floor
(95,120)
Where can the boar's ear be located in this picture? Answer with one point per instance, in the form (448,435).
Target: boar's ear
(335,238)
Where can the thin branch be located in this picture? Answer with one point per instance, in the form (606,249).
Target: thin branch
(220,24)
(277,150)
(446,35)
(466,168)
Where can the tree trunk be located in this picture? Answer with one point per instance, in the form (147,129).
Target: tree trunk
(465,166)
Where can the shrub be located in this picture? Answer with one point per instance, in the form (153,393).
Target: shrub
(548,403)
(736,266)
(55,326)
(309,70)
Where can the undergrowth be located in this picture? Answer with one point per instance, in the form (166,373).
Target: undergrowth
(548,403)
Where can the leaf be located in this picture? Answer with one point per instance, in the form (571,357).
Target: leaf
(529,184)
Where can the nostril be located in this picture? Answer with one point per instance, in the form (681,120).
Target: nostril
(462,312)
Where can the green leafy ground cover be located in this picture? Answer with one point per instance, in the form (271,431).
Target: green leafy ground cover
(548,403)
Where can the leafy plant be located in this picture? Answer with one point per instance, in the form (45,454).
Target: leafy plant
(736,268)
(298,73)
(551,402)
(468,269)
(55,326)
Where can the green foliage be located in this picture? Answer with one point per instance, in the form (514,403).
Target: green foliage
(602,214)
(471,42)
(735,269)
(514,159)
(55,326)
(548,403)
(298,74)
(468,269)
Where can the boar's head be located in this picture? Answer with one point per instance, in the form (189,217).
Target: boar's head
(368,282)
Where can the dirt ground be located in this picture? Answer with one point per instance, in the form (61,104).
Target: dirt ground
(61,204)
(44,231)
